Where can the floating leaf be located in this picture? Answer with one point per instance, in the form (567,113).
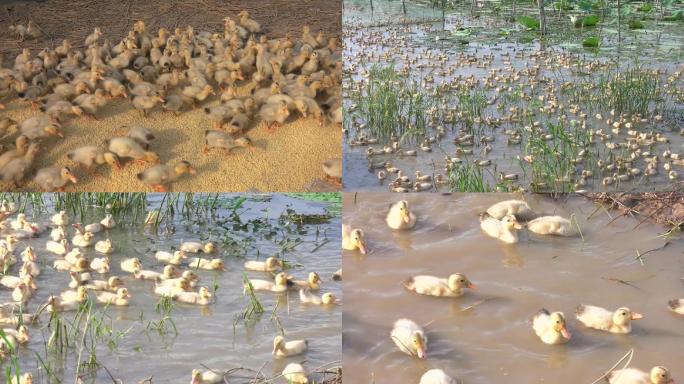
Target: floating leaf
(586,21)
(591,42)
(528,22)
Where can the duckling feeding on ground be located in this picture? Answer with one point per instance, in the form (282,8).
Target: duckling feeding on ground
(159,176)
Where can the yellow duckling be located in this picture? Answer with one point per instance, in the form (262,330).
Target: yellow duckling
(281,284)
(169,272)
(108,221)
(619,321)
(111,284)
(12,282)
(203,297)
(22,293)
(295,373)
(270,265)
(436,376)
(60,219)
(518,208)
(551,225)
(79,294)
(120,298)
(658,375)
(104,246)
(175,258)
(211,265)
(26,378)
(453,286)
(306,297)
(504,230)
(551,327)
(100,265)
(400,217)
(57,247)
(311,283)
(131,265)
(20,334)
(190,276)
(676,306)
(182,285)
(196,247)
(208,377)
(410,338)
(353,239)
(282,348)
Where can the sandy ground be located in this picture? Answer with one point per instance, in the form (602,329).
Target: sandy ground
(288,159)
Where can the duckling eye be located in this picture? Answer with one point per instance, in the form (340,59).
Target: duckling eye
(462,281)
(624,313)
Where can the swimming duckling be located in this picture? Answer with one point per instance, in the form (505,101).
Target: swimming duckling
(210,265)
(453,286)
(120,298)
(619,321)
(312,282)
(281,284)
(219,139)
(175,258)
(353,239)
(410,338)
(551,225)
(306,297)
(79,294)
(180,286)
(104,246)
(84,239)
(112,284)
(108,221)
(550,327)
(676,306)
(295,373)
(100,265)
(518,208)
(282,348)
(131,265)
(9,281)
(657,375)
(20,334)
(57,247)
(436,376)
(25,378)
(202,297)
(159,176)
(271,264)
(400,217)
(504,230)
(54,304)
(197,247)
(207,377)
(169,272)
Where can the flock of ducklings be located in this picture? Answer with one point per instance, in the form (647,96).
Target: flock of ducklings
(178,70)
(501,221)
(622,148)
(176,278)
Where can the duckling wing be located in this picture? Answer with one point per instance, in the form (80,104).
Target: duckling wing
(427,285)
(595,317)
(628,376)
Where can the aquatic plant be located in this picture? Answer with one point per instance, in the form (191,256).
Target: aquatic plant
(467,177)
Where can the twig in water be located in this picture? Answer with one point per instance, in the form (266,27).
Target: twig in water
(625,282)
(629,353)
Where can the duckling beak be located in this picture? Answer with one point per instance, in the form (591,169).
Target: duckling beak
(565,333)
(73,179)
(405,217)
(251,147)
(192,171)
(362,248)
(421,353)
(637,316)
(471,286)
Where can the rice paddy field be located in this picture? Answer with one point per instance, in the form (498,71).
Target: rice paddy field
(162,339)
(461,96)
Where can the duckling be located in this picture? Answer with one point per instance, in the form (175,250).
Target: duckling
(9,281)
(504,230)
(192,94)
(333,170)
(312,282)
(353,239)
(173,103)
(550,327)
(410,338)
(274,114)
(108,221)
(79,294)
(175,258)
(84,239)
(208,377)
(676,306)
(295,373)
(337,276)
(26,378)
(100,265)
(281,284)
(90,104)
(197,247)
(282,348)
(131,265)
(127,148)
(306,297)
(161,175)
(104,246)
(271,264)
(249,24)
(169,272)
(20,334)
(551,225)
(93,37)
(120,298)
(17,169)
(111,284)
(219,139)
(57,247)
(657,375)
(619,321)
(211,265)
(141,135)
(453,286)
(436,376)
(54,304)
(400,217)
(146,103)
(180,286)
(518,208)
(90,156)
(202,297)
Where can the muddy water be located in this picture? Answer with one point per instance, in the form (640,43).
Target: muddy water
(494,341)
(205,335)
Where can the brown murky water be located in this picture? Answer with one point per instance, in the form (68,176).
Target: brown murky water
(494,341)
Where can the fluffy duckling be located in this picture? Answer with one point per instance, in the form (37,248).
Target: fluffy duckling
(57,247)
(54,178)
(20,334)
(84,239)
(104,246)
(60,219)
(274,114)
(79,294)
(197,247)
(159,176)
(333,170)
(108,221)
(312,282)
(220,139)
(58,234)
(182,285)
(410,338)
(90,156)
(676,306)
(112,284)
(295,373)
(131,265)
(169,272)
(453,286)
(120,298)
(54,304)
(210,265)
(400,217)
(551,225)
(619,321)
(208,377)
(26,378)
(282,348)
(127,148)
(202,297)
(550,327)
(657,375)
(100,265)
(9,281)
(504,230)
(250,25)
(306,297)
(14,320)
(518,208)
(270,265)
(141,135)
(436,376)
(353,239)
(281,284)
(145,103)
(175,258)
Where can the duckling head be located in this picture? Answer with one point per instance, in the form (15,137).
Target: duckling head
(661,375)
(209,247)
(458,281)
(314,278)
(189,275)
(510,222)
(122,293)
(558,321)
(418,342)
(273,262)
(81,293)
(217,264)
(245,142)
(204,293)
(403,208)
(328,298)
(152,157)
(114,282)
(112,159)
(624,316)
(183,283)
(68,175)
(281,279)
(358,240)
(30,282)
(170,271)
(196,377)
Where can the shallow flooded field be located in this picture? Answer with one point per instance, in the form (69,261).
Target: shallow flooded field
(149,339)
(476,102)
(486,335)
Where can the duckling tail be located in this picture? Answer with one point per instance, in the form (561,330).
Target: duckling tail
(408,284)
(484,215)
(580,309)
(673,304)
